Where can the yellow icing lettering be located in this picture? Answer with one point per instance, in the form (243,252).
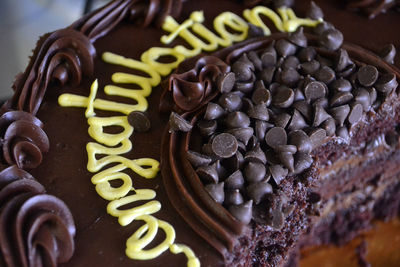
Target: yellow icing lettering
(153,54)
(106,155)
(233,21)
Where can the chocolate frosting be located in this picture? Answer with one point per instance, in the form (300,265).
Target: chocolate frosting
(372,8)
(143,12)
(23,139)
(65,55)
(35,229)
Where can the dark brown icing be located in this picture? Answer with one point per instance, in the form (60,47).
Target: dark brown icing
(36,229)
(23,139)
(100,252)
(372,8)
(142,12)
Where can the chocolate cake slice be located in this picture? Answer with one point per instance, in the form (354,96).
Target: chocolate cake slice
(282,141)
(272,131)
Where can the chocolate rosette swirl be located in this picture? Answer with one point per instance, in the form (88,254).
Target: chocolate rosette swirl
(226,158)
(23,139)
(65,56)
(35,229)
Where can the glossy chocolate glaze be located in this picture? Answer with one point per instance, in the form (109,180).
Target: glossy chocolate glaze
(100,240)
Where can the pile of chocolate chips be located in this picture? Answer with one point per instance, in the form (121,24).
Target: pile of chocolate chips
(274,108)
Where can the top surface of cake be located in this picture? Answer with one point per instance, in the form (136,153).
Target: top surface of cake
(106,69)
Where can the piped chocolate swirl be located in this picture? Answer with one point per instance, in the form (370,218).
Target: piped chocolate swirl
(36,229)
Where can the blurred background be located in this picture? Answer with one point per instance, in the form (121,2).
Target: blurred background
(21,24)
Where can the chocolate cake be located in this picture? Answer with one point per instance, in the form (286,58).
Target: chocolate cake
(214,133)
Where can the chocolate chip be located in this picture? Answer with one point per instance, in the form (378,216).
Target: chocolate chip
(256,155)
(278,173)
(340,114)
(259,112)
(341,85)
(291,62)
(237,119)
(207,128)
(314,197)
(224,145)
(208,173)
(255,59)
(230,101)
(258,191)
(361,96)
(298,38)
(286,149)
(252,142)
(298,95)
(242,212)
(297,122)
(242,147)
(139,121)
(260,129)
(329,126)
(235,162)
(222,172)
(235,180)
(246,104)
(254,172)
(282,119)
(343,133)
(261,96)
(372,94)
(178,123)
(386,83)
(285,48)
(317,137)
(314,90)
(302,161)
(322,27)
(243,70)
(320,115)
(331,39)
(325,75)
(304,108)
(388,53)
(287,160)
(340,98)
(342,60)
(355,114)
(213,111)
(367,75)
(275,137)
(290,77)
(301,140)
(283,98)
(268,57)
(315,12)
(216,191)
(322,102)
(233,198)
(267,74)
(309,67)
(226,82)
(245,87)
(242,134)
(197,159)
(307,54)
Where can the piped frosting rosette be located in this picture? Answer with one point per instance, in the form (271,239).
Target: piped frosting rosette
(249,116)
(36,229)
(23,139)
